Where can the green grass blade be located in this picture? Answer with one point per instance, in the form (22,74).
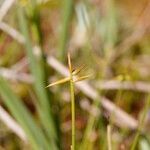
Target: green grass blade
(111,34)
(37,69)
(22,115)
(66,20)
(92,122)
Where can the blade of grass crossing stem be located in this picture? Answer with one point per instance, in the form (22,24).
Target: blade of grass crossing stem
(66,20)
(39,83)
(21,114)
(141,122)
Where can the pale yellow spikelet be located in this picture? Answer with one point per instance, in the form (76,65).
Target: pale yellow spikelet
(59,82)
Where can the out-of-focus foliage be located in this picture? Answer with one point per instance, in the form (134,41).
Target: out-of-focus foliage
(110,37)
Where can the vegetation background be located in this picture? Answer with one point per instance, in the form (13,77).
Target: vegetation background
(111,38)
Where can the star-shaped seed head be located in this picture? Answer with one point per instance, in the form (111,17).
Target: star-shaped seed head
(73,74)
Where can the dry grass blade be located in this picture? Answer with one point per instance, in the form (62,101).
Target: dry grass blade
(125,85)
(12,124)
(14,76)
(5,7)
(12,32)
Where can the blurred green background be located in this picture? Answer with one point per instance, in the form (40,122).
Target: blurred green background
(111,38)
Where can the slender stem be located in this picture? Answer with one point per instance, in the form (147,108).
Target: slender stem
(109,137)
(72,103)
(72,113)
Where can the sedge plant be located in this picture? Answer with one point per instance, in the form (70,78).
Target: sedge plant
(72,78)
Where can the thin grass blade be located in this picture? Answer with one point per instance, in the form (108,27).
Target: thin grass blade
(23,117)
(37,70)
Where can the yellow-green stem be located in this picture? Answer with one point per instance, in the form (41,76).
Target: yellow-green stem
(72,103)
(72,112)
